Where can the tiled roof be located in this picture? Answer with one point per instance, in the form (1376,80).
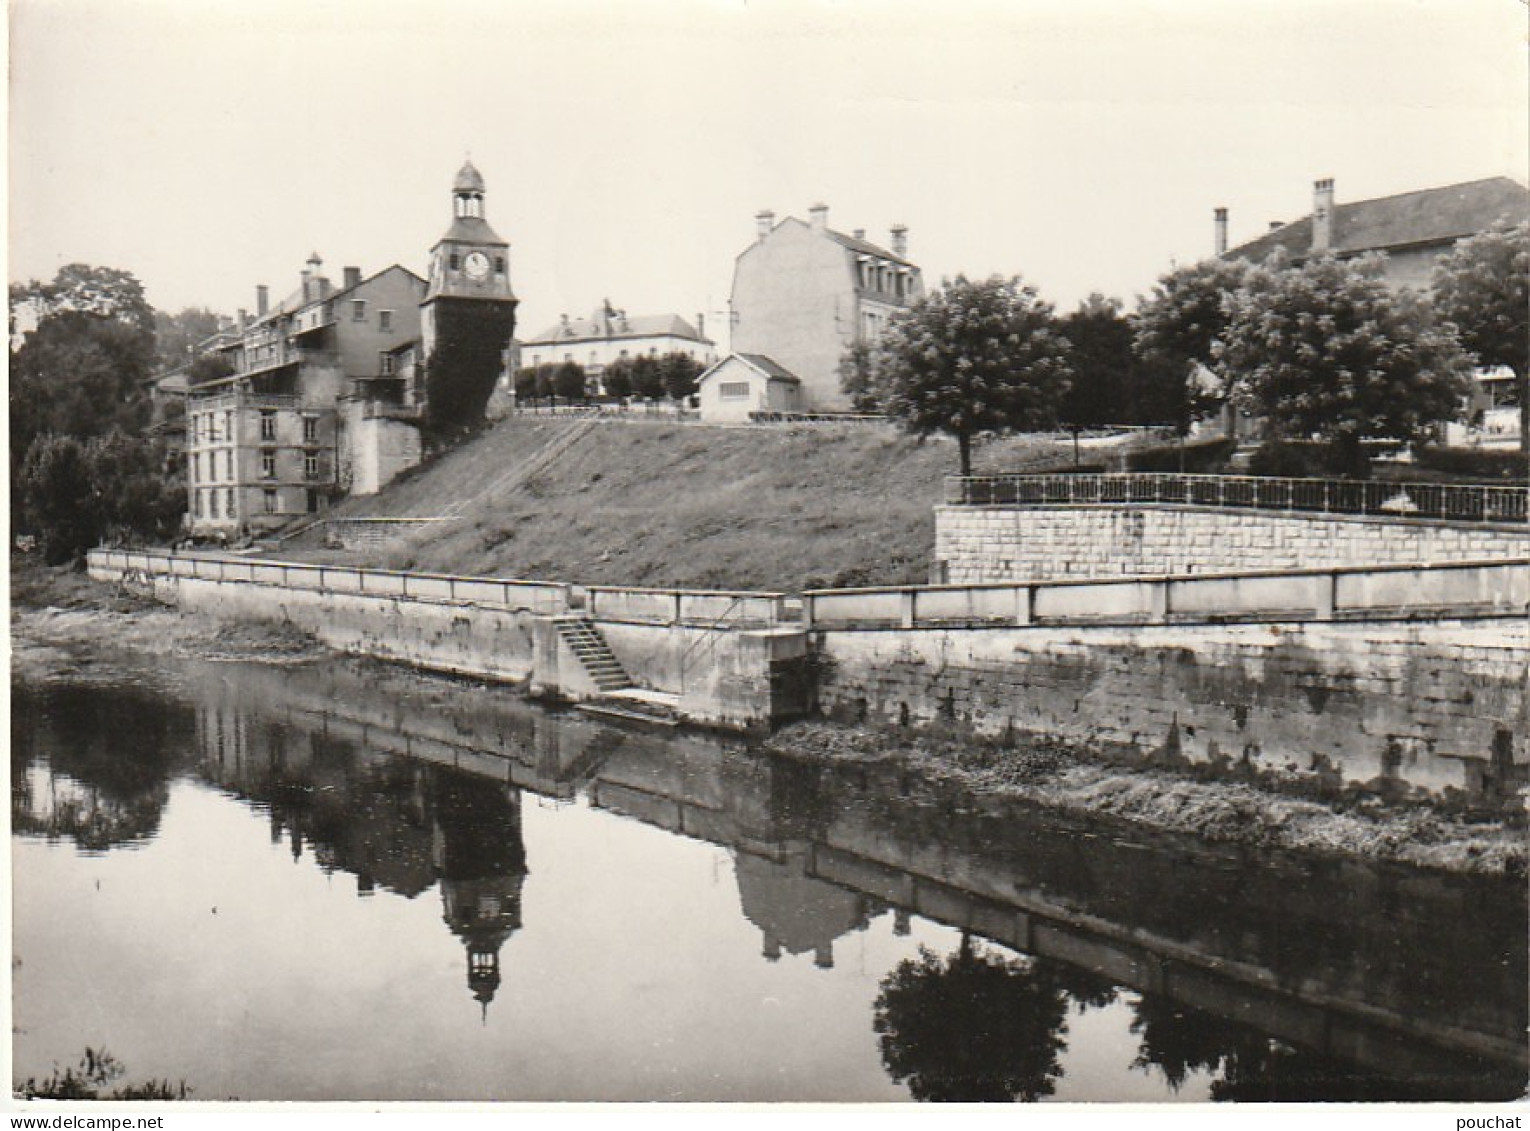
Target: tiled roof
(606,327)
(864,247)
(471,229)
(1439,215)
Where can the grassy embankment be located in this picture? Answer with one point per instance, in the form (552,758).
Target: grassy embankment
(661,504)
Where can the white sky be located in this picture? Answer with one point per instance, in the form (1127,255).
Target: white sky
(208,146)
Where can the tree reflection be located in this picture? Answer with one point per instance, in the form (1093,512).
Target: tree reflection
(974,1025)
(110,754)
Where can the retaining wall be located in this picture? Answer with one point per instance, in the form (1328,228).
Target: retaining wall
(1435,708)
(977,544)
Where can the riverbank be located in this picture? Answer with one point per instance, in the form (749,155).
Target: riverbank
(1070,779)
(64,626)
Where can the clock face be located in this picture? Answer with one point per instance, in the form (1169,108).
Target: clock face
(477,265)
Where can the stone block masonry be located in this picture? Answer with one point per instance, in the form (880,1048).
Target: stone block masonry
(1437,709)
(978,544)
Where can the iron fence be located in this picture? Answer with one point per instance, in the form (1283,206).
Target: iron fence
(1449,501)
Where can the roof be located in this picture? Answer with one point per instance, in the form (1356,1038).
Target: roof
(767,367)
(603,326)
(864,247)
(471,229)
(1439,215)
(468,179)
(296,302)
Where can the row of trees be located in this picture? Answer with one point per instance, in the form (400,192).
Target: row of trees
(649,378)
(1322,351)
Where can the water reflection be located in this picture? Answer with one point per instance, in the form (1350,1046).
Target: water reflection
(1233,975)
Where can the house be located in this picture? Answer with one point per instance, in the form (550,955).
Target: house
(327,391)
(1412,231)
(803,293)
(609,335)
(742,384)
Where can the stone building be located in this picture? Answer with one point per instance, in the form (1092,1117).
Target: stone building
(803,293)
(327,392)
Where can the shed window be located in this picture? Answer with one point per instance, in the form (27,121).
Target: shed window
(733,390)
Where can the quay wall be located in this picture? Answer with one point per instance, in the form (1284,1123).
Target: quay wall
(1018,543)
(1437,708)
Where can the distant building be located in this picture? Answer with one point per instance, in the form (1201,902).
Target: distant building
(1413,231)
(803,293)
(327,391)
(610,335)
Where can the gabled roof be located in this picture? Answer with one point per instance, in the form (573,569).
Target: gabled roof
(1428,216)
(766,367)
(613,326)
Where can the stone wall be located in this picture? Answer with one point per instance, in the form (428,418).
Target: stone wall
(976,544)
(1432,709)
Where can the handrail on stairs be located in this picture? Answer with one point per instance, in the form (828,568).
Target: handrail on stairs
(708,638)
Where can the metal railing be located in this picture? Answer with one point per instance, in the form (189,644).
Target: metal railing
(1448,501)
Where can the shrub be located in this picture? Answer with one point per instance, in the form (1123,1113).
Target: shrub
(1291,460)
(1476,463)
(1201,457)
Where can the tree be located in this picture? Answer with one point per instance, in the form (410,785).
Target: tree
(1483,287)
(465,365)
(176,336)
(568,381)
(972,1026)
(209,367)
(1327,350)
(975,357)
(860,378)
(647,378)
(617,379)
(105,292)
(1177,333)
(57,493)
(1100,353)
(680,371)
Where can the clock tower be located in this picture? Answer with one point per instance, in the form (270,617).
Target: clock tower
(468,314)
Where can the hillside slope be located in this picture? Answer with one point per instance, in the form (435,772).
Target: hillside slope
(664,504)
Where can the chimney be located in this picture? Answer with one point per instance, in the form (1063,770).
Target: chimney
(1221,231)
(819,216)
(860,233)
(244,319)
(701,325)
(1275,225)
(262,300)
(900,240)
(763,222)
(1322,215)
(352,277)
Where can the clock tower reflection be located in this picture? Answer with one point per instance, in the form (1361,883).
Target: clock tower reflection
(480,857)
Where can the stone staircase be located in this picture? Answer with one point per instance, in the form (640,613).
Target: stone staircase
(581,635)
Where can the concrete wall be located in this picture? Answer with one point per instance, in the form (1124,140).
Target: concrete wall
(978,544)
(373,450)
(1429,708)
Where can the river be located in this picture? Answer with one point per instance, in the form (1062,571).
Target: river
(339,880)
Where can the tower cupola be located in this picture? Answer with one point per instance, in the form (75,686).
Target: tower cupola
(467,192)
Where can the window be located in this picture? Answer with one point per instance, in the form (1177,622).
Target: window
(385,321)
(310,429)
(269,500)
(197,502)
(228,425)
(456,261)
(268,465)
(358,310)
(313,500)
(311,465)
(385,364)
(267,425)
(228,466)
(213,500)
(499,264)
(733,390)
(228,503)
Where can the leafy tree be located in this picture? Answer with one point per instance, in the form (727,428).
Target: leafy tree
(679,374)
(647,378)
(105,292)
(971,1027)
(568,382)
(1100,353)
(526,384)
(1177,333)
(975,357)
(617,379)
(860,378)
(1483,287)
(176,336)
(57,493)
(209,367)
(1327,350)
